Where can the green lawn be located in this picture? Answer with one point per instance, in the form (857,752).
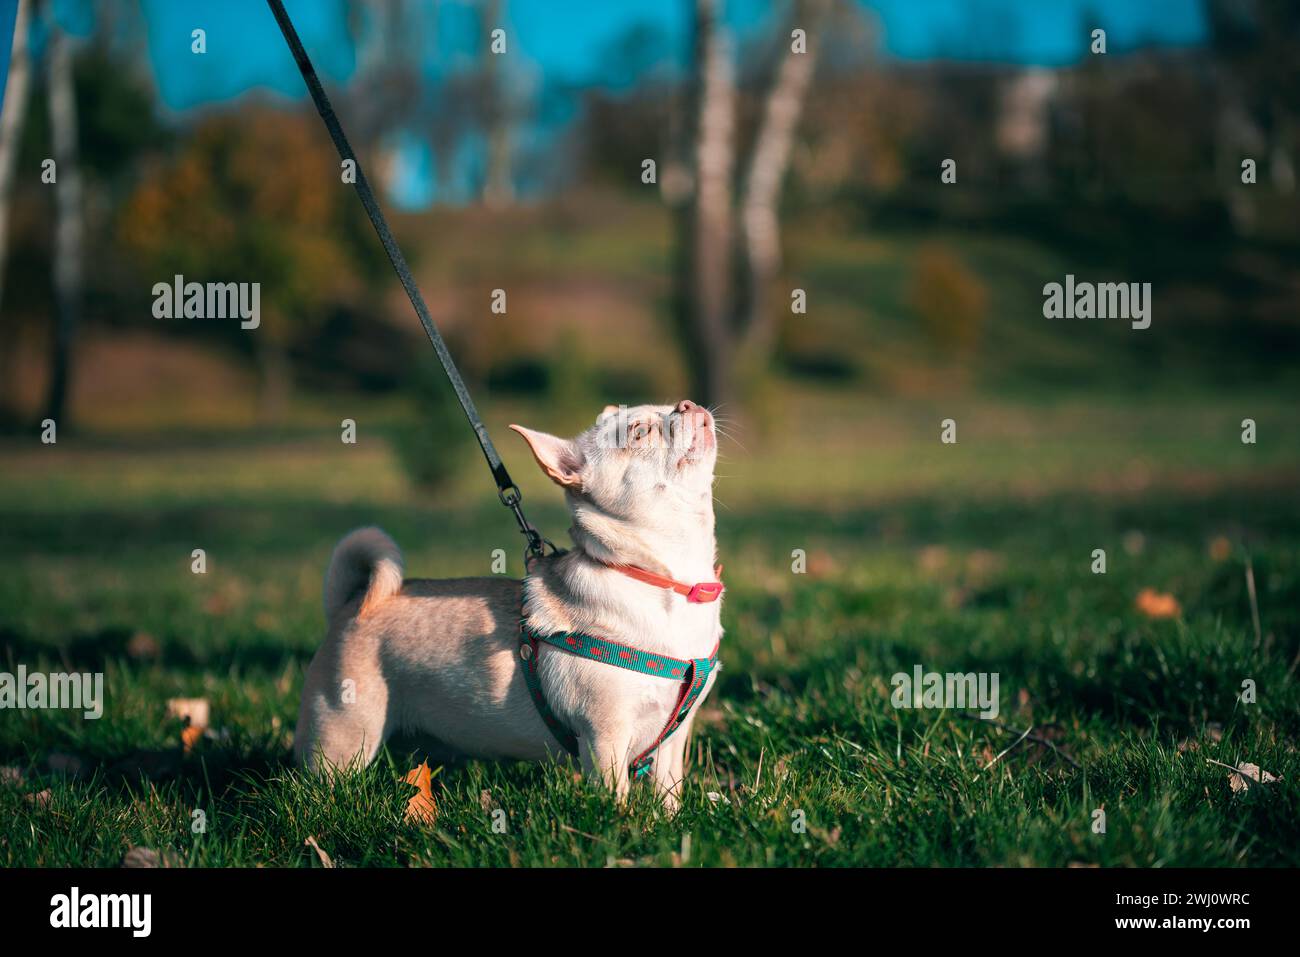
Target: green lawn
(972,557)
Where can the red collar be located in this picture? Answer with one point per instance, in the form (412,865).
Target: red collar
(700,593)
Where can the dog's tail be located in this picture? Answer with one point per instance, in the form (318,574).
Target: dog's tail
(366,563)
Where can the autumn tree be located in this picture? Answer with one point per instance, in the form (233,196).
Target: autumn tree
(257,196)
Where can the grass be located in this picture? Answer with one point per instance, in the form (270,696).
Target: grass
(972,557)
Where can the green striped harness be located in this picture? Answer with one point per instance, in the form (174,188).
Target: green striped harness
(693,673)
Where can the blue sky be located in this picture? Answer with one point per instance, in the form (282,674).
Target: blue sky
(571,40)
(563,45)
(8,8)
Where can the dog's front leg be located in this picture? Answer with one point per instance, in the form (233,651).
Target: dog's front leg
(670,767)
(604,758)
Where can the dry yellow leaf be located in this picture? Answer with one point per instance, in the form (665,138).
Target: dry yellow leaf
(1220,549)
(421,807)
(1247,774)
(190,735)
(190,710)
(1155,604)
(194,712)
(325,859)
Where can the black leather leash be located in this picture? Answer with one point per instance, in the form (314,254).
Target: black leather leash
(507,491)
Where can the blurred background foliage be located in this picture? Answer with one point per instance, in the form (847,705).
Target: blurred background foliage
(524,173)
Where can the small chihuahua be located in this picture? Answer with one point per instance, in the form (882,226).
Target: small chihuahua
(497,668)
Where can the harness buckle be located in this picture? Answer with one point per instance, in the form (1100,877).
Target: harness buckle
(702,593)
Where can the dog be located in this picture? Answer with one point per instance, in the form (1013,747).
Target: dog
(481,665)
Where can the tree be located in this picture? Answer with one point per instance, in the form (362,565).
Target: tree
(69,222)
(220,209)
(705,226)
(724,274)
(761,224)
(11,126)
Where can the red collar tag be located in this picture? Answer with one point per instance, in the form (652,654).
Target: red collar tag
(701,593)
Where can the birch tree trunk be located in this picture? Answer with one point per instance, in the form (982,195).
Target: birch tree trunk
(709,267)
(760,205)
(11,126)
(68,217)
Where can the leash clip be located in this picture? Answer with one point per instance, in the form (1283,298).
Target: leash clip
(536,546)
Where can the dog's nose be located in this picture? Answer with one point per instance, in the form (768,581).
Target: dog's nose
(686,405)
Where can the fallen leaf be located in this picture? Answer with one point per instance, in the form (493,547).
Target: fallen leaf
(932,558)
(421,807)
(1220,549)
(147,857)
(11,776)
(820,565)
(1247,774)
(190,710)
(190,736)
(485,800)
(143,645)
(325,859)
(1156,604)
(194,712)
(39,798)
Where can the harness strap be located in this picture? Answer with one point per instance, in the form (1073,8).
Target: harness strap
(692,672)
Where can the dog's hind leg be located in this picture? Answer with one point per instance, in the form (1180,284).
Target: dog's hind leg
(342,720)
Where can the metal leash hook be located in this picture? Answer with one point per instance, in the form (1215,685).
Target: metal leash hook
(507,491)
(536,544)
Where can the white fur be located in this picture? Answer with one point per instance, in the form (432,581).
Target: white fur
(366,557)
(441,657)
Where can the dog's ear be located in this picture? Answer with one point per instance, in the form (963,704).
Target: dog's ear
(561,459)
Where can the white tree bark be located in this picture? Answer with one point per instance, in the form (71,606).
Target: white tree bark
(11,126)
(760,206)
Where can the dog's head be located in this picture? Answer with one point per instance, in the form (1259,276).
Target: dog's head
(649,466)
